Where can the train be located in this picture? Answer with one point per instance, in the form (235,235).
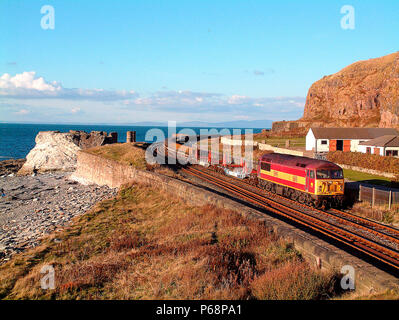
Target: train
(314,182)
(309,181)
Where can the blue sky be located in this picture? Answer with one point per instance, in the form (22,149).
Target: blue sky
(127,61)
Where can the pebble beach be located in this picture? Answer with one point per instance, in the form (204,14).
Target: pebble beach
(36,205)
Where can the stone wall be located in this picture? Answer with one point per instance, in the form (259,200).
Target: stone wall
(94,169)
(261,146)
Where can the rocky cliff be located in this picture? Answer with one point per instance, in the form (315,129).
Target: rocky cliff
(56,150)
(364,94)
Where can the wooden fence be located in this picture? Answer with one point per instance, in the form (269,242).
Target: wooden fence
(378,197)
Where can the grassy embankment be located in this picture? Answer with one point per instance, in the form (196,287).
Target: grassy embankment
(367,178)
(122,152)
(145,244)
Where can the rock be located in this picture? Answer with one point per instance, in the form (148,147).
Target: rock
(364,94)
(8,167)
(10,198)
(55,150)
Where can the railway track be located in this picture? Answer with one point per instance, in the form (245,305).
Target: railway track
(381,230)
(376,240)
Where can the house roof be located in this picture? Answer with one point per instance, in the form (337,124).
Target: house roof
(352,133)
(384,141)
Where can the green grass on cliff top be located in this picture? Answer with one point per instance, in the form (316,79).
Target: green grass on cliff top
(126,153)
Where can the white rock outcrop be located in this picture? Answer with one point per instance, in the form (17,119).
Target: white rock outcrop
(53,151)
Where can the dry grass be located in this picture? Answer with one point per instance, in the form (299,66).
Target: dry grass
(122,152)
(378,213)
(147,245)
(391,294)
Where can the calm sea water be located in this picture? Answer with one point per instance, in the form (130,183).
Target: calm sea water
(16,140)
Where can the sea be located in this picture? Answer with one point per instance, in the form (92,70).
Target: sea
(16,140)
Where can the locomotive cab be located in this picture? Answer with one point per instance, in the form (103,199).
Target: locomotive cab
(329,182)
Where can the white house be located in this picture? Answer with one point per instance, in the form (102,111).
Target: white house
(384,146)
(342,139)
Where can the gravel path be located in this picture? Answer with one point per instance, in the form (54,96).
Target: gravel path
(34,206)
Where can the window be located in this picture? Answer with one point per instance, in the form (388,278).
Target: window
(336,174)
(329,174)
(395,153)
(323,141)
(322,174)
(368,150)
(265,166)
(312,174)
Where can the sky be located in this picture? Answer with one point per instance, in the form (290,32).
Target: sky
(141,60)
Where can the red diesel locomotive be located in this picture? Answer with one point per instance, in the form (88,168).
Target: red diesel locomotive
(309,181)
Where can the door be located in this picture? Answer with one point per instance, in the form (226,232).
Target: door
(340,145)
(310,183)
(333,145)
(347,145)
(377,151)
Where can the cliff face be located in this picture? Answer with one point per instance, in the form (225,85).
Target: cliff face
(364,94)
(56,150)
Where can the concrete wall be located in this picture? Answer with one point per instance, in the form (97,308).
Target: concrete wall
(383,151)
(238,142)
(355,144)
(261,146)
(322,147)
(310,141)
(363,149)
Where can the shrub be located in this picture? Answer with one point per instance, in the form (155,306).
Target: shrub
(368,161)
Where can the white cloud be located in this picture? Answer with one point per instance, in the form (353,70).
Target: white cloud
(27,85)
(50,100)
(237,99)
(26,80)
